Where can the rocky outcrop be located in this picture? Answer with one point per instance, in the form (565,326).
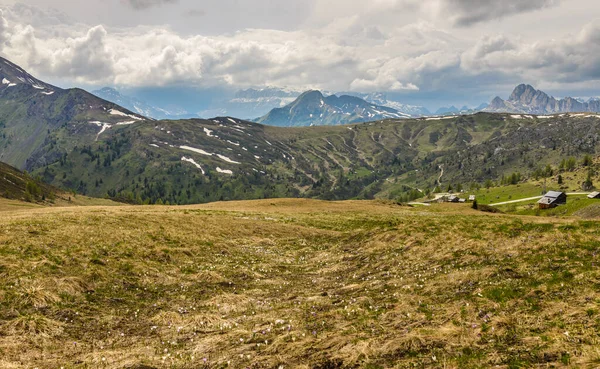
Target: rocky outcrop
(526,99)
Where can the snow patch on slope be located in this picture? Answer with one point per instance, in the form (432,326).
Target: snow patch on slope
(224,171)
(120,113)
(190,160)
(198,151)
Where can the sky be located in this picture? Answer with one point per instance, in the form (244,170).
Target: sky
(425,52)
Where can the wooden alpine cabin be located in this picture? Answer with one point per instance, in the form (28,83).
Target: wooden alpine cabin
(552,199)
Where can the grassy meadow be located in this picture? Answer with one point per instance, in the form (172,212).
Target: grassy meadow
(296,284)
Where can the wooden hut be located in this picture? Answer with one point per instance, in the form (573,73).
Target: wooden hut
(552,199)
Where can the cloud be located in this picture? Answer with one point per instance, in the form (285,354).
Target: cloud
(347,54)
(469,12)
(572,59)
(145,4)
(461,13)
(195,13)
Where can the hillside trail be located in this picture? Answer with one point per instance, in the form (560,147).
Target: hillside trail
(535,198)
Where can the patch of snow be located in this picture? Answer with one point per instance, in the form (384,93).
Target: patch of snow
(190,160)
(127,123)
(233,143)
(198,151)
(208,132)
(516,117)
(224,171)
(104,126)
(48,93)
(257,157)
(7,82)
(232,121)
(120,113)
(270,144)
(202,152)
(544,116)
(38,87)
(154,145)
(440,118)
(223,157)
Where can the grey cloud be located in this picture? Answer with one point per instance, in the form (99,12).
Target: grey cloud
(572,59)
(145,4)
(417,58)
(469,12)
(195,13)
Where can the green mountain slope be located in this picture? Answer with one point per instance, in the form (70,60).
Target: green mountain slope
(31,111)
(76,141)
(16,185)
(190,161)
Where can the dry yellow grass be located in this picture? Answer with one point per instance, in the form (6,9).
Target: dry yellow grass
(295,284)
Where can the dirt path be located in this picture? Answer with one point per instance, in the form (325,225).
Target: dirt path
(535,198)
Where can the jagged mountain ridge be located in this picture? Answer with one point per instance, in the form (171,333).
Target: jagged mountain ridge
(312,108)
(525,99)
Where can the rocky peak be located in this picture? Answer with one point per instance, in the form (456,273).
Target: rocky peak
(526,94)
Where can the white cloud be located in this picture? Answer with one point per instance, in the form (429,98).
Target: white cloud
(350,53)
(574,58)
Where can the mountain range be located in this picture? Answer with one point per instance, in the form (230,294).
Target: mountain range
(312,108)
(249,104)
(76,141)
(525,99)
